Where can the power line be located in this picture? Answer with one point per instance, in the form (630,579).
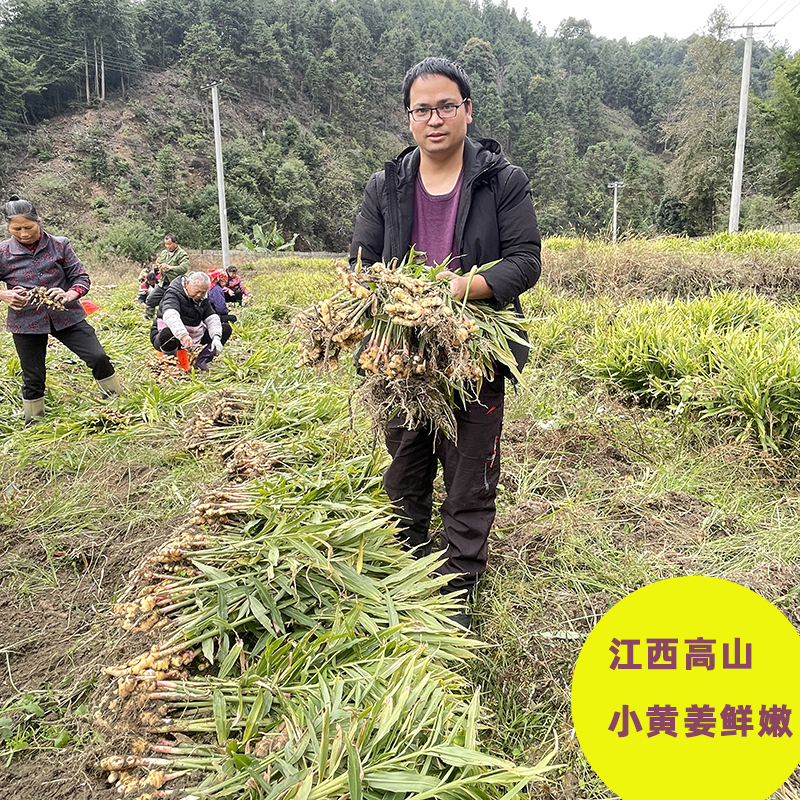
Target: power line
(776,10)
(118,63)
(759,9)
(788,12)
(769,14)
(65,49)
(741,11)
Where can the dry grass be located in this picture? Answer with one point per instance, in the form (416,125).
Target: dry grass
(667,268)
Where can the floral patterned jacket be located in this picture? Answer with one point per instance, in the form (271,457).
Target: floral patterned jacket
(53,263)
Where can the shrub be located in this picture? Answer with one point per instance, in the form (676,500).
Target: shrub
(185,228)
(728,356)
(50,191)
(761,211)
(135,240)
(96,163)
(41,146)
(123,192)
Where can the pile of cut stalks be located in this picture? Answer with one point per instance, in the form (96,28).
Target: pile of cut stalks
(293,651)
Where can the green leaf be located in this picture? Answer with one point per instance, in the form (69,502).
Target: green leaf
(32,707)
(254,717)
(230,660)
(304,790)
(456,756)
(62,739)
(400,781)
(260,613)
(241,760)
(221,722)
(391,611)
(354,772)
(208,649)
(6,728)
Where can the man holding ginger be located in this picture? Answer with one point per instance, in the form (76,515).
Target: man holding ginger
(461,202)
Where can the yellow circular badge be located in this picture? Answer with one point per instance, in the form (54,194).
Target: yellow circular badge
(690,688)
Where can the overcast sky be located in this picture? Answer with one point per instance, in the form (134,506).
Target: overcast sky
(679,19)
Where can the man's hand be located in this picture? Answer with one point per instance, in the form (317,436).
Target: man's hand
(461,286)
(15,298)
(216,345)
(59,294)
(187,342)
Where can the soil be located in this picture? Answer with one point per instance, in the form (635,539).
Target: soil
(565,455)
(56,631)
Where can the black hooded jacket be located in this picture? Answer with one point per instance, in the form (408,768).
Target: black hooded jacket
(495,220)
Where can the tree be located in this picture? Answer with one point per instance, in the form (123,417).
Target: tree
(168,182)
(18,83)
(161,26)
(478,60)
(488,113)
(267,69)
(701,130)
(352,44)
(576,46)
(784,117)
(107,31)
(526,148)
(553,184)
(203,54)
(582,102)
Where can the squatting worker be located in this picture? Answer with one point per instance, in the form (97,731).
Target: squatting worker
(451,194)
(171,262)
(186,320)
(216,295)
(234,288)
(33,258)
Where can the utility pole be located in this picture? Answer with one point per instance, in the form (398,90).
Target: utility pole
(741,128)
(223,209)
(615,186)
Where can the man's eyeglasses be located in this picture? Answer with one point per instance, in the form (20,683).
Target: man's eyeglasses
(447,111)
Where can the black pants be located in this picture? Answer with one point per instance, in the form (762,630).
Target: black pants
(153,299)
(471,472)
(235,296)
(165,341)
(79,338)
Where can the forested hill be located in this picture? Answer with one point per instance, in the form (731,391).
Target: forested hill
(104,118)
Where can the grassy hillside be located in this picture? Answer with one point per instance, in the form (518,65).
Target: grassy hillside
(117,176)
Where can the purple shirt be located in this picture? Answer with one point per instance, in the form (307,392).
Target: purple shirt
(52,263)
(217,298)
(434,228)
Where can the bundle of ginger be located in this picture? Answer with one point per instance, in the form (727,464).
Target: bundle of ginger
(420,349)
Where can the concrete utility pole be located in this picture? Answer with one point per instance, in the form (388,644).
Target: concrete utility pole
(615,186)
(223,209)
(741,129)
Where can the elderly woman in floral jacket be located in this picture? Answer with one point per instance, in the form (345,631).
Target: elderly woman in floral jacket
(32,258)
